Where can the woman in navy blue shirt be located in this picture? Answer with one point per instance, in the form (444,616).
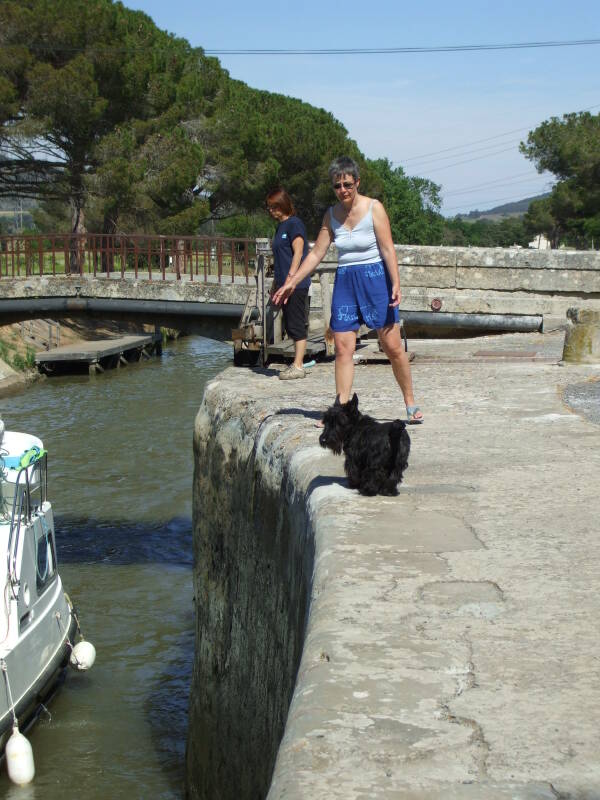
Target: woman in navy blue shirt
(290,247)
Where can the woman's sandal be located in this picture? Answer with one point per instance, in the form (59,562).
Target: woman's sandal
(411,419)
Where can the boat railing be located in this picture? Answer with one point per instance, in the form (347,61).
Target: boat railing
(30,493)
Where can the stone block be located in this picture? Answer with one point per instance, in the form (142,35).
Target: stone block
(582,342)
(527,279)
(413,275)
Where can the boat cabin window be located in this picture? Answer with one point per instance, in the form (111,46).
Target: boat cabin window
(46,561)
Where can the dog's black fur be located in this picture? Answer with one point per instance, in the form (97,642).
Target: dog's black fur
(376,452)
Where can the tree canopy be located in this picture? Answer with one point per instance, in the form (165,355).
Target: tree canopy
(87,84)
(108,122)
(568,147)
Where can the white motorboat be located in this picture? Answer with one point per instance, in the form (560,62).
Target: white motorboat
(37,623)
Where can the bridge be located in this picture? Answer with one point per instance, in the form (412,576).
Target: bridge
(197,284)
(201,284)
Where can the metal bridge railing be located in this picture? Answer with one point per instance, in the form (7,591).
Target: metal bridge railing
(195,258)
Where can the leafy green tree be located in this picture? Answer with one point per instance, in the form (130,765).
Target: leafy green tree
(244,225)
(412,204)
(506,232)
(539,219)
(71,73)
(570,149)
(258,140)
(104,114)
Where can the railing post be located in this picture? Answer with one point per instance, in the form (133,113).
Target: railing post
(162,257)
(27,247)
(260,285)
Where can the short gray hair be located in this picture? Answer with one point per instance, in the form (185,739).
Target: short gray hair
(344,166)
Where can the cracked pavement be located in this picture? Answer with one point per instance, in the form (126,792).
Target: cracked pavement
(452,646)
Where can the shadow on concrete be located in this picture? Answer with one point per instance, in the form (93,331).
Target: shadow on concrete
(299,412)
(327,480)
(268,373)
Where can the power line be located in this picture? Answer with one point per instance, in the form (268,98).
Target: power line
(467,161)
(350,51)
(495,184)
(489,183)
(395,50)
(510,198)
(458,155)
(481,141)
(461,146)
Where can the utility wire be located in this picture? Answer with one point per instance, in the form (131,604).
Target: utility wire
(467,161)
(489,183)
(350,51)
(511,198)
(394,50)
(481,141)
(493,147)
(494,185)
(461,146)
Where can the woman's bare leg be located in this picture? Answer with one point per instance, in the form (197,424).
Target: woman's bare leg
(391,343)
(299,352)
(345,345)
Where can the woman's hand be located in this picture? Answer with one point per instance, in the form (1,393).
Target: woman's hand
(396,295)
(282,295)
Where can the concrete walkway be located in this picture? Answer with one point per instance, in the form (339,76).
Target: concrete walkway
(452,648)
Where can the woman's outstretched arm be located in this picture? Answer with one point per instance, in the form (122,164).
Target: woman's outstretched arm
(308,266)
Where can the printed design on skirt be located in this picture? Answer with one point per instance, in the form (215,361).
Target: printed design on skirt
(367,270)
(370,316)
(347,313)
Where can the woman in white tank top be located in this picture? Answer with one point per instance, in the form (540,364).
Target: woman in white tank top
(367,283)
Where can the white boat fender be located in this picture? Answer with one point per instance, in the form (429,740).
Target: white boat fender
(83,655)
(19,758)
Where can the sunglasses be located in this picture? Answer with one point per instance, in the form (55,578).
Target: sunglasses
(345,184)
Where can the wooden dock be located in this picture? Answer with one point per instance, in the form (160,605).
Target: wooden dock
(315,346)
(99,355)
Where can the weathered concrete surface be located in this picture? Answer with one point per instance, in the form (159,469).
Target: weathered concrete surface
(582,340)
(254,563)
(467,280)
(127,288)
(451,648)
(10,379)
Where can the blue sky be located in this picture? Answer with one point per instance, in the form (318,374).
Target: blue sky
(405,107)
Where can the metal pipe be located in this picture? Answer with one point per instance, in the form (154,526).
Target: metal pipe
(519,323)
(36,305)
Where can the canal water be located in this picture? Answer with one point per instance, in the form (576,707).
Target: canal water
(120,481)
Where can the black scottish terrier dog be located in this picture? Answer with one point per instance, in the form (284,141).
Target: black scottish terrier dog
(376,452)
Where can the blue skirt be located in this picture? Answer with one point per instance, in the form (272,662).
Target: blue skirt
(362,294)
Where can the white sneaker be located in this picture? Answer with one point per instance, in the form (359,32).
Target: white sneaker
(291,373)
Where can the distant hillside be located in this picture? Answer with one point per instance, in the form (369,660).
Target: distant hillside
(516,209)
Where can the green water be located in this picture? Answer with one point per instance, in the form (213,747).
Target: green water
(120,480)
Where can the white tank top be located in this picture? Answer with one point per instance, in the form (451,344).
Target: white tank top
(359,245)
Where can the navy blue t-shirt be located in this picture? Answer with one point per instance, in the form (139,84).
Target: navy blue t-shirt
(286,232)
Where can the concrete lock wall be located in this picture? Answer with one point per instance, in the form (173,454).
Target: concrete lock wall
(253,555)
(498,280)
(460,280)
